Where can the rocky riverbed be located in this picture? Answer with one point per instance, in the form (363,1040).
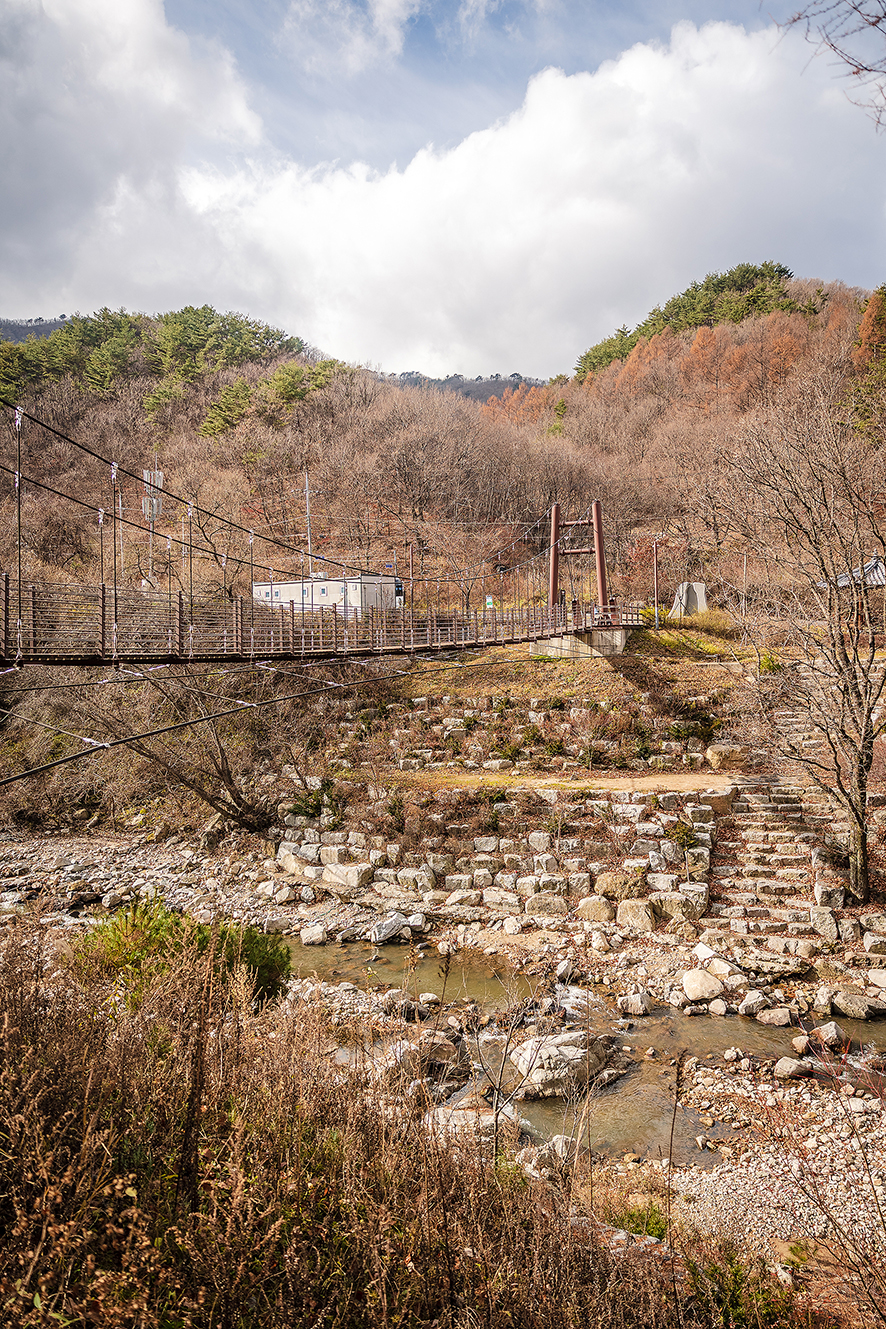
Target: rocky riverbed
(613,913)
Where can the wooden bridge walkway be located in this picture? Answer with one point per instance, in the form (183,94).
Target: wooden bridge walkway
(82,625)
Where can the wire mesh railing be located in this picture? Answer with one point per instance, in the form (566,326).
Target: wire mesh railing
(57,624)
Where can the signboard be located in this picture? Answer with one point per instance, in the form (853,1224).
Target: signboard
(489,602)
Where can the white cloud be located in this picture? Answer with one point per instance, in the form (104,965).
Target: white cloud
(602,194)
(346,37)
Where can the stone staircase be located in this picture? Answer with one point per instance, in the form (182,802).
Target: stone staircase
(763,874)
(797,735)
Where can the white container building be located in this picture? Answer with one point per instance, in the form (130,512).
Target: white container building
(353,596)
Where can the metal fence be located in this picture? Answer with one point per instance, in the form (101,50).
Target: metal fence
(57,624)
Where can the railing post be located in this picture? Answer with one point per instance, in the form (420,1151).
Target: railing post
(6,637)
(33,598)
(180,629)
(104,621)
(334,630)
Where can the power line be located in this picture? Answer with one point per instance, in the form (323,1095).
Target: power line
(193,506)
(220,715)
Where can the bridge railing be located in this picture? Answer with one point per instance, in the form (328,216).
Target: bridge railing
(56,623)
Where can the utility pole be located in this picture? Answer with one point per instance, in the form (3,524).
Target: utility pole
(308,515)
(655,577)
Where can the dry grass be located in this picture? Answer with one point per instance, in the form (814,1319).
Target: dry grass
(180,1161)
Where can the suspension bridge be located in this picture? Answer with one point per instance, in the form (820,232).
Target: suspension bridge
(56,623)
(52,624)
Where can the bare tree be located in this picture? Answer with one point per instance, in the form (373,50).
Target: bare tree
(808,489)
(854,31)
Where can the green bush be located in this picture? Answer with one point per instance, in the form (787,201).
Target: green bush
(138,944)
(737,1292)
(646,1220)
(770,663)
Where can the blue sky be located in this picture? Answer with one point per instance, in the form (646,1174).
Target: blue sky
(473,186)
(424,72)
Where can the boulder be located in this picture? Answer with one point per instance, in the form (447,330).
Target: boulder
(699,985)
(674,904)
(636,1003)
(830,1035)
(752,1004)
(595,909)
(779,1016)
(726,756)
(313,935)
(852,1005)
(829,891)
(496,898)
(557,1064)
(824,923)
(539,841)
(698,862)
(620,885)
(636,914)
(387,929)
(875,943)
(343,877)
(546,902)
(789,1068)
(873,922)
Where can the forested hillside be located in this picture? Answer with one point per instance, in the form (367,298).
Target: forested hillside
(235,412)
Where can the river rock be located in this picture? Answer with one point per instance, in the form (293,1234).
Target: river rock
(852,1005)
(313,935)
(636,1003)
(595,909)
(875,943)
(600,942)
(389,928)
(873,923)
(831,1035)
(717,1006)
(557,1064)
(789,1068)
(752,1004)
(699,985)
(779,1016)
(620,885)
(636,914)
(473,1118)
(436,1049)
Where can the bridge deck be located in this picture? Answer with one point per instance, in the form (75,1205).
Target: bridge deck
(75,625)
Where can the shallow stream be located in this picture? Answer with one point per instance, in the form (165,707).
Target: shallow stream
(633,1115)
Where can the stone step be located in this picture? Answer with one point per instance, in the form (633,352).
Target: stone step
(773,887)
